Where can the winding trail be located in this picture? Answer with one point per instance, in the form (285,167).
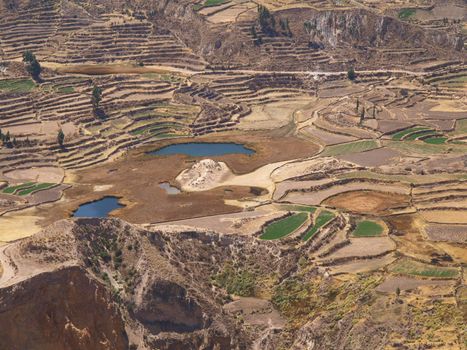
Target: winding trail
(9,269)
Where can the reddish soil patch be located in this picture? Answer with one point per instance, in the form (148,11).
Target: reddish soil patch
(368,202)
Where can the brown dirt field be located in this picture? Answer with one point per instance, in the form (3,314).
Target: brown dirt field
(368,202)
(445,216)
(408,234)
(406,283)
(372,158)
(135,178)
(103,69)
(448,233)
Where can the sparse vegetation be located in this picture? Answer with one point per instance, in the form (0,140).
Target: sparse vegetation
(410,267)
(17,85)
(406,13)
(352,147)
(351,75)
(235,281)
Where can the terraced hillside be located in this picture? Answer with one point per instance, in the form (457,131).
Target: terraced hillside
(230,174)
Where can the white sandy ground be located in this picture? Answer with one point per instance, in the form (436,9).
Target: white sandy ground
(208,174)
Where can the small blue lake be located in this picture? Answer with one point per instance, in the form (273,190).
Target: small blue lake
(98,209)
(197,149)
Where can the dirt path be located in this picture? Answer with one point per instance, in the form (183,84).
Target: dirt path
(9,269)
(103,69)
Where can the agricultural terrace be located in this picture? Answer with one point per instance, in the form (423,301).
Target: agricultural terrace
(367,228)
(284,227)
(323,218)
(27,188)
(407,266)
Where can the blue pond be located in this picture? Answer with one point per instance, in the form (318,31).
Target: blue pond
(97,209)
(196,149)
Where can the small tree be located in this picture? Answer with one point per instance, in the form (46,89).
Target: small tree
(96,96)
(32,65)
(362,115)
(358,104)
(351,74)
(374,111)
(266,21)
(398,292)
(60,137)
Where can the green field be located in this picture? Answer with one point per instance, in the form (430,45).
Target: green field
(436,140)
(400,134)
(415,268)
(13,189)
(210,3)
(295,207)
(414,147)
(65,90)
(35,188)
(284,227)
(420,133)
(17,85)
(406,13)
(367,229)
(27,188)
(347,148)
(323,218)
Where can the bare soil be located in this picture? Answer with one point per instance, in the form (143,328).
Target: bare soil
(368,202)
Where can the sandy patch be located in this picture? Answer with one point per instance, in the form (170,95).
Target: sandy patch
(364,246)
(327,138)
(449,106)
(445,216)
(272,115)
(208,174)
(203,175)
(43,174)
(244,223)
(18,225)
(100,188)
(323,166)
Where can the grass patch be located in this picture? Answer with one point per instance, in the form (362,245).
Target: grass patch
(27,188)
(411,147)
(367,229)
(435,140)
(352,147)
(210,3)
(420,133)
(65,90)
(400,134)
(415,268)
(406,13)
(294,207)
(13,189)
(35,188)
(323,218)
(17,85)
(284,227)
